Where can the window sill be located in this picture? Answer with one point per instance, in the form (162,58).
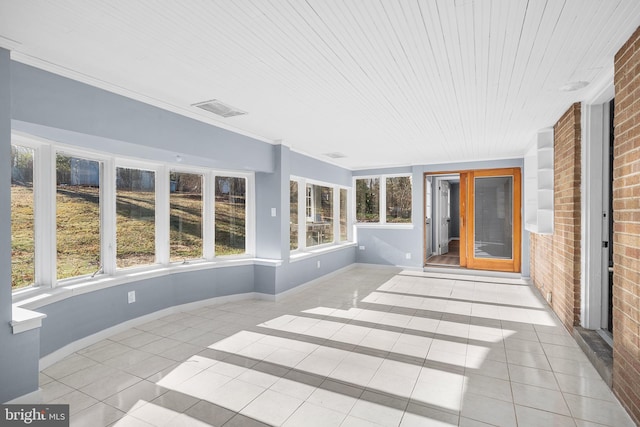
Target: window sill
(23,320)
(34,297)
(319,250)
(401,226)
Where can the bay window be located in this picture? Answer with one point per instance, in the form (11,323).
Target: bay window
(99,215)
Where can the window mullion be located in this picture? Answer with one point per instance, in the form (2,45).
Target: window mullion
(162,215)
(208,217)
(302,219)
(108,216)
(336,215)
(250,230)
(45,216)
(383,200)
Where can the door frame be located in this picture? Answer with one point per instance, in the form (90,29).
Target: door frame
(466,206)
(426,235)
(514,263)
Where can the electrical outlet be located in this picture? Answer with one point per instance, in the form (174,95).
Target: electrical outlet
(318,264)
(273,211)
(361,248)
(131,297)
(408,255)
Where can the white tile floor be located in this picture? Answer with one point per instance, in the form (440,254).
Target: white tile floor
(364,347)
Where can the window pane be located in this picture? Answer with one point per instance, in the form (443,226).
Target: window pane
(320,220)
(343,215)
(185,203)
(293,215)
(22,238)
(399,199)
(368,200)
(135,217)
(77,216)
(493,217)
(230,215)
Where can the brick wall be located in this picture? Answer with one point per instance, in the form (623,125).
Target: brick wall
(555,259)
(626,217)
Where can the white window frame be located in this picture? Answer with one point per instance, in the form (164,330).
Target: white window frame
(161,210)
(249,241)
(382,214)
(45,227)
(302,206)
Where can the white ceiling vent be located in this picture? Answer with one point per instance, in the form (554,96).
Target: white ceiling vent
(335,155)
(220,108)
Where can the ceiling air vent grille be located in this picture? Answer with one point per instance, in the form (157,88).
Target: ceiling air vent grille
(335,155)
(220,108)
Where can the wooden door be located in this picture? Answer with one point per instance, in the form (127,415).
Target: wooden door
(493,219)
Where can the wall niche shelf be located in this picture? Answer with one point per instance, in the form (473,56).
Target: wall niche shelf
(538,184)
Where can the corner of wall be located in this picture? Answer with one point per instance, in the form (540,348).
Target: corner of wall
(555,259)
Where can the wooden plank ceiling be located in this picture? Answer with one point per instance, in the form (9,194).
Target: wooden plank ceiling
(384,82)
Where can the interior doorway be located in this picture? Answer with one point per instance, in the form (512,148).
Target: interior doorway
(607,297)
(443,220)
(473,219)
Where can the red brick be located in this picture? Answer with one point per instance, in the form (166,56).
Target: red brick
(626,248)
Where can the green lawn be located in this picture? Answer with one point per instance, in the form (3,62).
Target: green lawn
(78,230)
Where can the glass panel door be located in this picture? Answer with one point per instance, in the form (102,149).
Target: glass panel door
(494,229)
(493,220)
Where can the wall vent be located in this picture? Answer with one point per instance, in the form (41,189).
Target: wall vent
(219,108)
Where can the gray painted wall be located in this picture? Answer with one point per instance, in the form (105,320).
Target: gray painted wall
(55,107)
(389,246)
(269,195)
(77,317)
(18,353)
(305,270)
(308,167)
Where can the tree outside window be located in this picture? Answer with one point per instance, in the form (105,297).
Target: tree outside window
(368,200)
(398,199)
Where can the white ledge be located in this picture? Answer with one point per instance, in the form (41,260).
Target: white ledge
(315,251)
(389,225)
(36,297)
(25,320)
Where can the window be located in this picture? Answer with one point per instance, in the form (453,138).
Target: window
(293,215)
(326,217)
(393,208)
(22,220)
(135,217)
(344,232)
(100,214)
(368,200)
(77,216)
(230,217)
(399,199)
(185,210)
(320,223)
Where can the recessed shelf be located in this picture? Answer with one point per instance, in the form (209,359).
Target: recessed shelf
(539,177)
